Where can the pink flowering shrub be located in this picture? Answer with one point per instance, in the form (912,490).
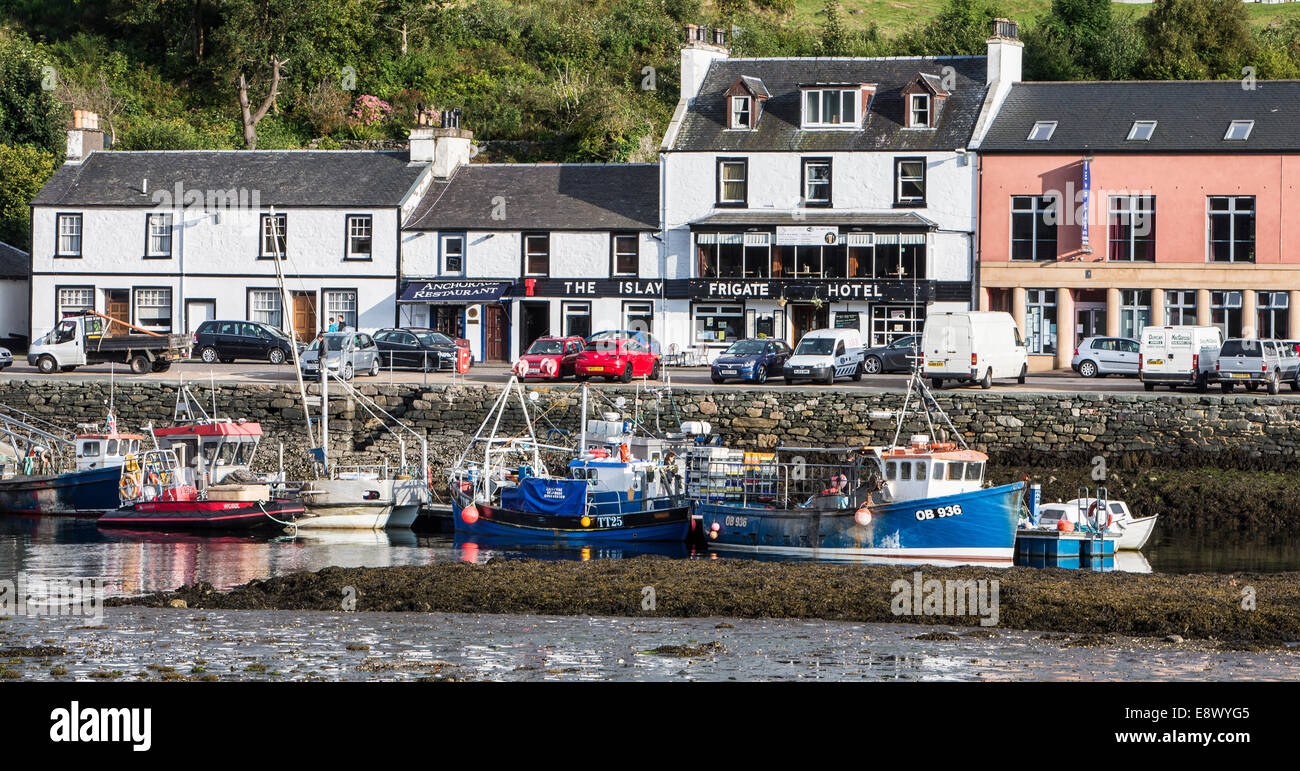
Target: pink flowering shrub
(370,110)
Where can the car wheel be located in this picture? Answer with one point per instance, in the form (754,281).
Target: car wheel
(1227,387)
(1024,370)
(936,382)
(657,372)
(857,373)
(1252,387)
(760,374)
(46,365)
(1088,368)
(1149,386)
(140,365)
(348,372)
(872,365)
(717,379)
(987,381)
(209,355)
(276,356)
(1273,384)
(830,376)
(626,377)
(1295,385)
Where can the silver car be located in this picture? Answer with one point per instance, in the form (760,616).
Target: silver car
(346,354)
(1098,356)
(6,358)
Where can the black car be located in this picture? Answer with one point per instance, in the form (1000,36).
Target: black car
(416,348)
(898,356)
(226,341)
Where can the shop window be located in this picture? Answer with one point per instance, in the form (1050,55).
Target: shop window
(718,323)
(1040,318)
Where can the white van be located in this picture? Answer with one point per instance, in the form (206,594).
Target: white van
(825,354)
(1178,355)
(973,347)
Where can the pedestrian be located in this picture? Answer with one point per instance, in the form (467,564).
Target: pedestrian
(334,325)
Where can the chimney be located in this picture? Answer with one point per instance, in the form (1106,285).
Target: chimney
(438,139)
(702,47)
(1005,53)
(84,137)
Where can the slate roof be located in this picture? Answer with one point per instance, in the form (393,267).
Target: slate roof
(14,262)
(280,177)
(544,196)
(1192,116)
(703,127)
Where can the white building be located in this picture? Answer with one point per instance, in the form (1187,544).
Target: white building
(14,288)
(502,254)
(801,193)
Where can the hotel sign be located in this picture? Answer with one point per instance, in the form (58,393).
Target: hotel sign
(795,290)
(806,235)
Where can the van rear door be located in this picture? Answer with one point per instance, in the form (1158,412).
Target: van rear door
(1155,350)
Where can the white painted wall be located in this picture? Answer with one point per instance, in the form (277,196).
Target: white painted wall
(498,254)
(13,307)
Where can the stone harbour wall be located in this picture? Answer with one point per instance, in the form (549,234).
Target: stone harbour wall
(1019,428)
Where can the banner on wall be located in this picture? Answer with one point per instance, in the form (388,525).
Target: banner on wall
(1087,190)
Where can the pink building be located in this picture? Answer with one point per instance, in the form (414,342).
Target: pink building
(1105,207)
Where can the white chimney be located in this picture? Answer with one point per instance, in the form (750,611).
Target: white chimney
(84,137)
(1005,53)
(703,47)
(446,146)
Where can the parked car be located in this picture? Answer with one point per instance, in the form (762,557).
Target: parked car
(825,354)
(1182,355)
(551,358)
(1257,362)
(346,354)
(225,341)
(645,338)
(6,358)
(616,357)
(1101,356)
(418,348)
(898,356)
(973,347)
(751,359)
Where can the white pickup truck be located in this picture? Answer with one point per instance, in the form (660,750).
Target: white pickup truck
(84,339)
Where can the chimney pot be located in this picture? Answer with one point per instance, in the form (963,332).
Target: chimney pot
(1006,28)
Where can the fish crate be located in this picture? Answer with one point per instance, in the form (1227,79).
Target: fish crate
(1054,544)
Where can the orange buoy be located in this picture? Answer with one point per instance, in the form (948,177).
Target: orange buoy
(1064,525)
(469,514)
(863,516)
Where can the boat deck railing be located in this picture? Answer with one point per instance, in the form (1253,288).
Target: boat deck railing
(32,435)
(779,484)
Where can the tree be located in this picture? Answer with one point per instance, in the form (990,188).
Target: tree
(1081,40)
(29,112)
(834,37)
(1191,39)
(24,169)
(961,28)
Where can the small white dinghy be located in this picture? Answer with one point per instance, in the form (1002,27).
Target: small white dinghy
(1131,533)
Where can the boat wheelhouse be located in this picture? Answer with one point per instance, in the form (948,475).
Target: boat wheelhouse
(57,472)
(216,447)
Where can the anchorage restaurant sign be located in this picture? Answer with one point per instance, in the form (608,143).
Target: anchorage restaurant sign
(832,290)
(454,291)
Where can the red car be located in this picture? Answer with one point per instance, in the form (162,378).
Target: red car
(621,358)
(550,358)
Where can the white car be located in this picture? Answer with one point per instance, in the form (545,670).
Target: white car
(6,358)
(825,354)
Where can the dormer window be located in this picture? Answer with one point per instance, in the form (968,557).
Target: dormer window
(1042,131)
(1142,130)
(918,111)
(741,112)
(1239,130)
(830,107)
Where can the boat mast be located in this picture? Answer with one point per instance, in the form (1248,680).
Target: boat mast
(293,338)
(582,424)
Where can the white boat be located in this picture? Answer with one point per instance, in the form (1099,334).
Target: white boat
(1131,533)
(362,501)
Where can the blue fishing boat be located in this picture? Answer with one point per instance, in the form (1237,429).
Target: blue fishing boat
(55,472)
(619,485)
(923,501)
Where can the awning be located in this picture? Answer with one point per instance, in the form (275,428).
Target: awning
(454,291)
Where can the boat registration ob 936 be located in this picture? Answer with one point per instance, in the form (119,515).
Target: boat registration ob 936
(921,501)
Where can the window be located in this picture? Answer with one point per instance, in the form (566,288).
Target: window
(1180,306)
(1142,130)
(1040,318)
(274,235)
(918,110)
(537,254)
(1134,311)
(1042,131)
(69,244)
(71,300)
(1232,228)
(909,186)
(341,302)
(740,112)
(639,317)
(158,235)
(1133,227)
(264,307)
(1225,312)
(453,254)
(1239,130)
(830,107)
(719,323)
(359,236)
(899,257)
(624,255)
(733,182)
(153,309)
(1271,310)
(891,323)
(576,319)
(817,182)
(1033,227)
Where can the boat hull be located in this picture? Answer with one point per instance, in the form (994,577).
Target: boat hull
(203,515)
(361,504)
(982,531)
(1134,533)
(662,524)
(77,492)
